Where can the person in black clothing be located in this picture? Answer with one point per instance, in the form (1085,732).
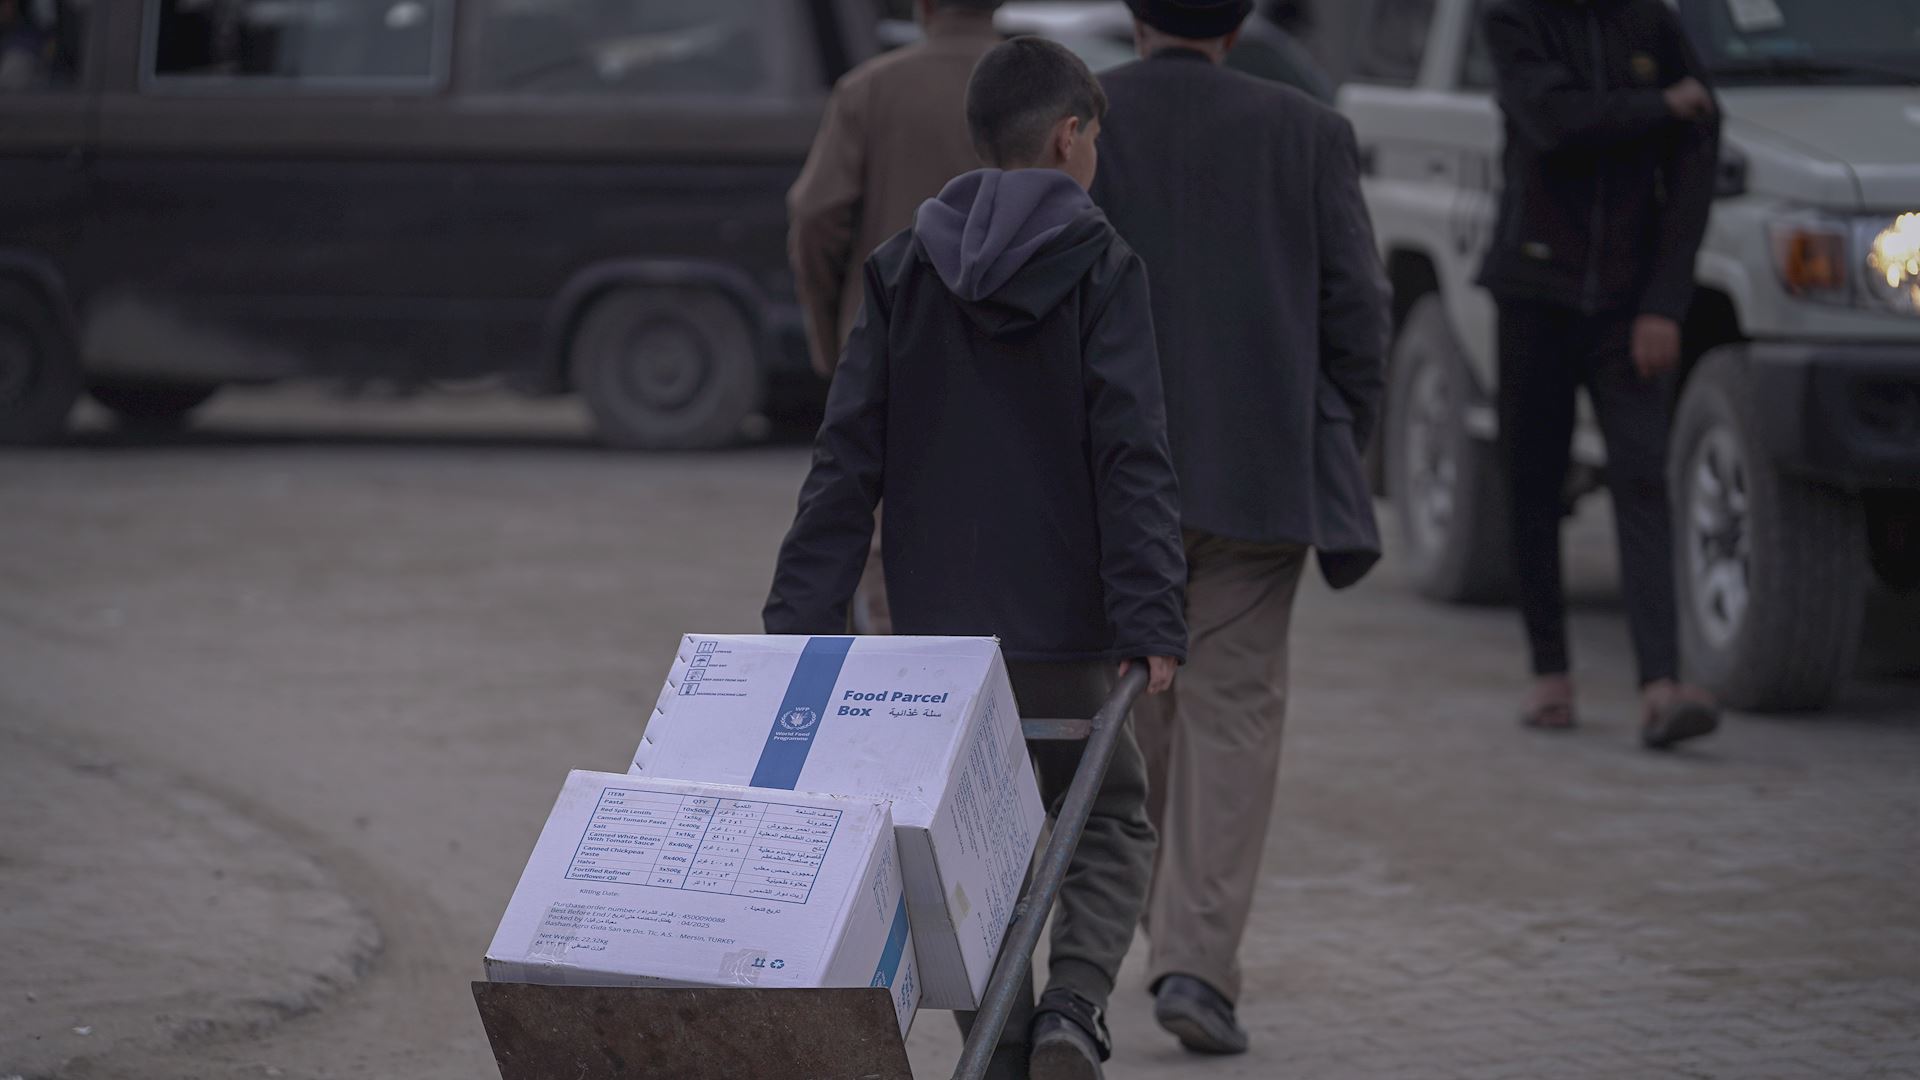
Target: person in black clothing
(1611,147)
(1000,395)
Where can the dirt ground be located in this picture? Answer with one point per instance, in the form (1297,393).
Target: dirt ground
(284,701)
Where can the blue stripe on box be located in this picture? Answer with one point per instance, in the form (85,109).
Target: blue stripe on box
(801,713)
(896,946)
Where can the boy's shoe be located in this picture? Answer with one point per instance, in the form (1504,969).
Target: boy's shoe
(1069,1038)
(1201,1017)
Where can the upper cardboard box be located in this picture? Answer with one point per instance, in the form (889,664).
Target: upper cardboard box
(926,723)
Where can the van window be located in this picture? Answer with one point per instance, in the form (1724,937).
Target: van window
(629,47)
(1393,42)
(309,42)
(40,42)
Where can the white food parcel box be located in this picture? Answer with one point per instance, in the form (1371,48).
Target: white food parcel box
(927,723)
(638,881)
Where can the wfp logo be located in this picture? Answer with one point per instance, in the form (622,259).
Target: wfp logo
(800,719)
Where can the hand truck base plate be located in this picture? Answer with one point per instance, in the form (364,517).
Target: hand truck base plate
(645,1033)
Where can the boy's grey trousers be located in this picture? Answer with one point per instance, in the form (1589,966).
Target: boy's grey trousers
(1112,868)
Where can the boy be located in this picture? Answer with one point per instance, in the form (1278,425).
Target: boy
(1001,396)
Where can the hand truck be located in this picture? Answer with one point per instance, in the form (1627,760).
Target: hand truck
(646,1033)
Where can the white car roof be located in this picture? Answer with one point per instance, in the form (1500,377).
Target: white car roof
(1106,17)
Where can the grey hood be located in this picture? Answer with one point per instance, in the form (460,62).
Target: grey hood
(1010,245)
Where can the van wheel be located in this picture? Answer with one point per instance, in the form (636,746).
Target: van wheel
(151,405)
(39,373)
(1771,568)
(666,369)
(1448,494)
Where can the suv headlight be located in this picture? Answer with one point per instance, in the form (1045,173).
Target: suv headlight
(1867,262)
(1892,275)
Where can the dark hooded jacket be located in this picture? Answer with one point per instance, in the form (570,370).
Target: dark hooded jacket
(1000,397)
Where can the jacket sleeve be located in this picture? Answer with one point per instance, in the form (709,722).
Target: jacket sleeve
(823,554)
(1548,102)
(823,208)
(1688,176)
(1355,300)
(1143,566)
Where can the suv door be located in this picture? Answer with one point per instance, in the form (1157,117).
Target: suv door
(676,124)
(264,203)
(45,79)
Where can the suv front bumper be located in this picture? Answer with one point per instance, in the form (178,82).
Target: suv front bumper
(1848,414)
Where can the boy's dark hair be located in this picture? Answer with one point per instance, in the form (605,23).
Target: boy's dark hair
(1020,89)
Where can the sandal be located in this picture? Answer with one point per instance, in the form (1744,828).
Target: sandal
(1677,721)
(1550,716)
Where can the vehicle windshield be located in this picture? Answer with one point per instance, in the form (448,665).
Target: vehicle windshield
(1858,42)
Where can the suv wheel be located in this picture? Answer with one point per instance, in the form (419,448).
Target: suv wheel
(151,405)
(1448,494)
(39,374)
(1771,568)
(666,369)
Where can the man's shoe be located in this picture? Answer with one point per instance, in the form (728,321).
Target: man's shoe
(1675,717)
(1069,1038)
(1201,1017)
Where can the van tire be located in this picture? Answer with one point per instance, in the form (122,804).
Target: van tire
(39,368)
(151,406)
(1447,487)
(666,368)
(1792,551)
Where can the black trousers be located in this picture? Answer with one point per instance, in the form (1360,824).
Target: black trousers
(1547,353)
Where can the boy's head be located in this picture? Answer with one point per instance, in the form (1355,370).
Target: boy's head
(1032,104)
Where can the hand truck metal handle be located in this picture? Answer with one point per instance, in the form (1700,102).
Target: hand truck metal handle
(1030,916)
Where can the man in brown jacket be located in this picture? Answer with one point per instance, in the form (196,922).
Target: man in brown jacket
(895,132)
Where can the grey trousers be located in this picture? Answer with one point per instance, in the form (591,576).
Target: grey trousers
(1212,746)
(1106,886)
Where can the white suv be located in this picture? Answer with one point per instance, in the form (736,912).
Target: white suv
(1796,441)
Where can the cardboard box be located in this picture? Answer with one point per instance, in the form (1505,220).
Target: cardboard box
(926,723)
(652,882)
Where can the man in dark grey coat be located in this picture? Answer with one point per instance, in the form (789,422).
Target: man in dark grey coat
(1270,310)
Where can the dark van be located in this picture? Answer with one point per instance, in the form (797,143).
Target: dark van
(581,194)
